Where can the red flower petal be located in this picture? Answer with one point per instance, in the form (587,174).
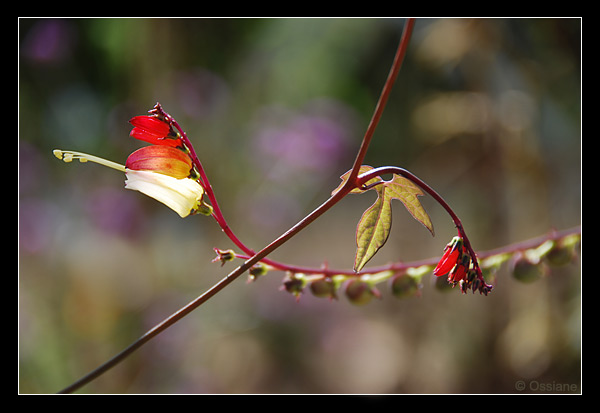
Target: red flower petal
(447,262)
(458,273)
(153,130)
(162,159)
(452,253)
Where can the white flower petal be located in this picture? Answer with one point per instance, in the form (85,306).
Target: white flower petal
(183,196)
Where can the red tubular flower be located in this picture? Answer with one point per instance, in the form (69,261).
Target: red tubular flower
(456,263)
(155,130)
(452,254)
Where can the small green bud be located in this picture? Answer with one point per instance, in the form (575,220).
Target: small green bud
(559,256)
(360,292)
(324,288)
(527,270)
(257,270)
(403,285)
(224,256)
(563,251)
(294,283)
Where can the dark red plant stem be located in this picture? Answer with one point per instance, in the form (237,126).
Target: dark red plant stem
(432,261)
(204,181)
(398,59)
(172,319)
(350,184)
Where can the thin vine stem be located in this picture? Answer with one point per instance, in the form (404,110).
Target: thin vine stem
(381,103)
(387,89)
(172,319)
(334,199)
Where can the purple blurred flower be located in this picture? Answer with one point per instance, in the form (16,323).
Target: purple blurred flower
(293,151)
(114,212)
(313,140)
(48,41)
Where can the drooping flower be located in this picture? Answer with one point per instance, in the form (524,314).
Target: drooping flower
(455,262)
(462,269)
(164,171)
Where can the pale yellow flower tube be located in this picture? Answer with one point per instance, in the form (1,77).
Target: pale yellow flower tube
(183,196)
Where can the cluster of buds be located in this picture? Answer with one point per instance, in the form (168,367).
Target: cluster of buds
(532,264)
(456,263)
(164,171)
(359,290)
(527,264)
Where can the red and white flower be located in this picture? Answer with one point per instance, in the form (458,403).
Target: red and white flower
(163,171)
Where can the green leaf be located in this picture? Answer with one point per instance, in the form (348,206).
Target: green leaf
(407,192)
(373,230)
(375,224)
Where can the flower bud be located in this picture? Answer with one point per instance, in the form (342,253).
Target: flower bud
(324,288)
(476,284)
(559,256)
(294,283)
(403,285)
(563,251)
(257,270)
(527,270)
(224,256)
(360,292)
(154,129)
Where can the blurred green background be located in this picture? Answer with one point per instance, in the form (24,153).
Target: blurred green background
(487,111)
